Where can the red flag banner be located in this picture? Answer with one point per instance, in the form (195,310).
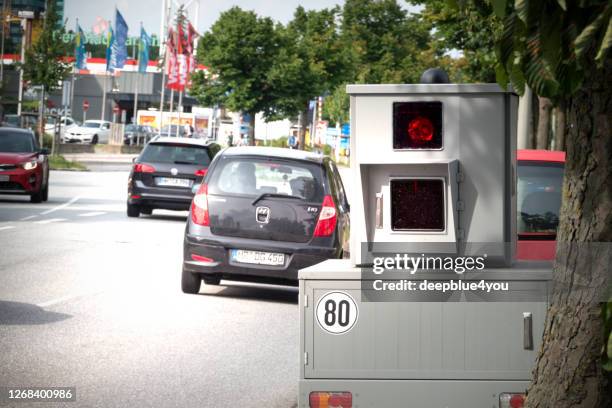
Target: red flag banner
(192,34)
(172,64)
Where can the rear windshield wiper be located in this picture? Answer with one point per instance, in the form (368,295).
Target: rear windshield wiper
(183,162)
(264,195)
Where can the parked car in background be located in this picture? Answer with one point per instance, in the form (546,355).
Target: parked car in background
(65,123)
(27,120)
(136,134)
(539,186)
(151,131)
(24,166)
(171,131)
(91,131)
(165,172)
(11,120)
(261,214)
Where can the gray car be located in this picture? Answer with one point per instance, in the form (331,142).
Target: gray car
(165,172)
(261,214)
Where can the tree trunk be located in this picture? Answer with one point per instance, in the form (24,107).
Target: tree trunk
(252,128)
(568,370)
(544,111)
(560,126)
(302,129)
(41,117)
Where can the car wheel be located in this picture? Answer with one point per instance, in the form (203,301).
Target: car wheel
(211,279)
(94,140)
(45,192)
(37,197)
(190,282)
(133,210)
(146,210)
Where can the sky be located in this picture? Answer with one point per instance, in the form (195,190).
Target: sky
(149,11)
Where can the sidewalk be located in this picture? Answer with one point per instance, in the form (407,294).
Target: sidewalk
(97,158)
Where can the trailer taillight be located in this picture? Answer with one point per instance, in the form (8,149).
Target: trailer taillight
(418,204)
(417,125)
(320,399)
(511,400)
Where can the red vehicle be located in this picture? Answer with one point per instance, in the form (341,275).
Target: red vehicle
(24,166)
(539,184)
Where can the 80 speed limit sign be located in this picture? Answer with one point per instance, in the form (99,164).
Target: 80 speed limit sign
(337,312)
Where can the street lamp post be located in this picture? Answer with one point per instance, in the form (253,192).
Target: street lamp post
(26,17)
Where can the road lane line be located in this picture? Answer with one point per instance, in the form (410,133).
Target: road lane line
(59,207)
(66,298)
(49,221)
(92,214)
(8,227)
(29,217)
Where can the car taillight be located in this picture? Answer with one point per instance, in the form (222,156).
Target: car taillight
(143,168)
(327,218)
(417,125)
(417,204)
(511,400)
(199,207)
(200,258)
(201,172)
(319,399)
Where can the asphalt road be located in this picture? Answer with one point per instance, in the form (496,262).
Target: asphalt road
(91,299)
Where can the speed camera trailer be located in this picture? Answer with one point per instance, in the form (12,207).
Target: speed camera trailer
(433,163)
(433,171)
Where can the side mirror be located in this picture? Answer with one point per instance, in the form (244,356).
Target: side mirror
(45,151)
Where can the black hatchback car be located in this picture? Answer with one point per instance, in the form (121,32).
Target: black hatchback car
(262,214)
(165,172)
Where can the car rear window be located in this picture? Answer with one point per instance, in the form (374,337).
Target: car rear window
(254,176)
(175,153)
(539,199)
(16,143)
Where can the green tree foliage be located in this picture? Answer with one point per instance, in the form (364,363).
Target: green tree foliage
(471,30)
(316,60)
(44,65)
(544,43)
(241,51)
(387,45)
(336,106)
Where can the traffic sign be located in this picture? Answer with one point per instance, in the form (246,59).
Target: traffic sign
(85,105)
(337,312)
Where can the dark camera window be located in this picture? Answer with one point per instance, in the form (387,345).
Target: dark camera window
(417,204)
(417,125)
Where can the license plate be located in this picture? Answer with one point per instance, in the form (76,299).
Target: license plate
(4,177)
(173,182)
(257,257)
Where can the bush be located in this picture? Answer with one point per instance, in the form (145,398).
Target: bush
(47,141)
(280,142)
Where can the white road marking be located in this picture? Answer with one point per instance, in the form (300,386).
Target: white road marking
(65,299)
(49,221)
(29,217)
(92,214)
(59,207)
(8,227)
